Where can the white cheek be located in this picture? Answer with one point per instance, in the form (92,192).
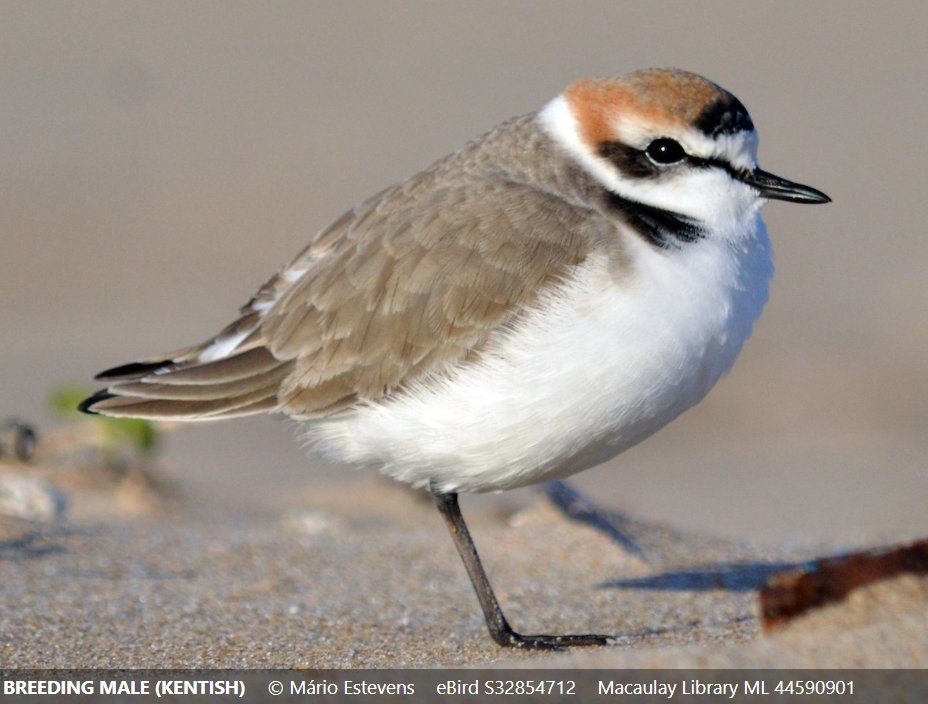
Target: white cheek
(708,195)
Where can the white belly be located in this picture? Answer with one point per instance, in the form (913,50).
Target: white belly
(598,366)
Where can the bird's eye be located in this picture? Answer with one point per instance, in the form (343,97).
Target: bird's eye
(665,151)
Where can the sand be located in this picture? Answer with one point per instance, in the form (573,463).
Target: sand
(364,575)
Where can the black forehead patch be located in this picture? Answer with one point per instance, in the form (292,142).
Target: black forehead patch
(724,116)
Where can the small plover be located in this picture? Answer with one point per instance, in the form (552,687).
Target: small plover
(525,308)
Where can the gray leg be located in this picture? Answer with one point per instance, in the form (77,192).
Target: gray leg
(499,627)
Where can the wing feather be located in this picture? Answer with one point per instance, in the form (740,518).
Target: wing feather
(406,285)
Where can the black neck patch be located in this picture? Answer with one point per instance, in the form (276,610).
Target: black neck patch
(724,116)
(662,228)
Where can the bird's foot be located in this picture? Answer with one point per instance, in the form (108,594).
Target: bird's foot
(511,639)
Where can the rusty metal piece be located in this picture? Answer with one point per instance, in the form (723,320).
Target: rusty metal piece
(790,594)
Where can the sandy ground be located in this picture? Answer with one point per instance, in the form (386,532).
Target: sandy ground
(365,576)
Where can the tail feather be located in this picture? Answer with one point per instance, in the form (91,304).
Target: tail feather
(155,389)
(133,370)
(186,389)
(226,369)
(168,409)
(86,406)
(143,367)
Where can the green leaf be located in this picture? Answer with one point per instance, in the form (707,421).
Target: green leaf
(63,401)
(141,434)
(137,432)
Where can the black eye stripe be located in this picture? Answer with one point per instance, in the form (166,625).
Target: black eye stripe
(715,164)
(628,160)
(635,163)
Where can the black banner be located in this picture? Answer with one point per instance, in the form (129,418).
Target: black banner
(459,686)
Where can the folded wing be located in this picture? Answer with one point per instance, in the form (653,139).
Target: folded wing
(408,284)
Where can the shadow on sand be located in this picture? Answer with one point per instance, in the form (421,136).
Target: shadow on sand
(631,535)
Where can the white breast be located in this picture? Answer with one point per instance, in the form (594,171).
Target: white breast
(597,366)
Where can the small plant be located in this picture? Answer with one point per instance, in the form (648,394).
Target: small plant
(114,432)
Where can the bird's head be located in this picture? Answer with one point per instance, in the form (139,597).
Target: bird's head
(671,141)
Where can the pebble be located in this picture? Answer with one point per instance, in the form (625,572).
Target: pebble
(31,499)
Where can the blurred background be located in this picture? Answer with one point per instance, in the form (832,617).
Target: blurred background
(158,161)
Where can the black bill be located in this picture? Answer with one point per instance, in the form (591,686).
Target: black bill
(776,188)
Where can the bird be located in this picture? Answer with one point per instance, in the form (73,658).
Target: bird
(525,308)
